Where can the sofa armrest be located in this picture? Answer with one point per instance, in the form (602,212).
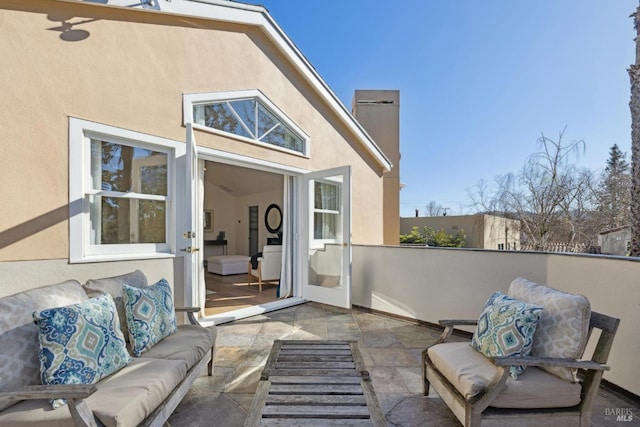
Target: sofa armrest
(457,322)
(549,361)
(190,313)
(67,391)
(74,393)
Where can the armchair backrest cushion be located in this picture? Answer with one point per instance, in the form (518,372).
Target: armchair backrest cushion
(271,262)
(563,326)
(19,364)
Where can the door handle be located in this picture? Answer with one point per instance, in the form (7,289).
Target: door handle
(190,250)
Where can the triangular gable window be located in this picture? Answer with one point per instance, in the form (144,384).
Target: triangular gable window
(253,118)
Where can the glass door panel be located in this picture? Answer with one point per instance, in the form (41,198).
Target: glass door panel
(327,274)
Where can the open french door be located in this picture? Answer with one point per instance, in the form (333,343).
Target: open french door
(326,214)
(192,232)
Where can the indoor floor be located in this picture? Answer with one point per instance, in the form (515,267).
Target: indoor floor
(227,293)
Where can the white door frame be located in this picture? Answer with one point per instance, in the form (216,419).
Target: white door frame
(213,155)
(297,211)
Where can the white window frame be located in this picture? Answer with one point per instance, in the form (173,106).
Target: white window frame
(81,132)
(191,100)
(320,243)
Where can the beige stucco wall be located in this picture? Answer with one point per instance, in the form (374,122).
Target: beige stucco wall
(22,275)
(131,72)
(499,230)
(434,283)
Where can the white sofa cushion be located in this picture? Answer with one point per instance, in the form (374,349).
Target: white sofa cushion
(563,327)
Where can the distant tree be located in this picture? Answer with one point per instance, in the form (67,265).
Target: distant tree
(550,195)
(613,195)
(428,236)
(413,237)
(433,208)
(443,239)
(634,105)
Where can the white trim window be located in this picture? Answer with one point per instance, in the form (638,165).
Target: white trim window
(326,213)
(123,181)
(248,116)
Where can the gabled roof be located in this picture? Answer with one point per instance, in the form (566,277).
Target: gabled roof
(258,16)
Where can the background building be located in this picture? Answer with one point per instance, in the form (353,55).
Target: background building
(482,231)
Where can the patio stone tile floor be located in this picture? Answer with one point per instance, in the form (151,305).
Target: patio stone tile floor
(391,349)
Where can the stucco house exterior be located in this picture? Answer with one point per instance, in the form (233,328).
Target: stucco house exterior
(482,231)
(123,124)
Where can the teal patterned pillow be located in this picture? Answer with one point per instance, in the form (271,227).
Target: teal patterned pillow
(150,315)
(80,343)
(506,328)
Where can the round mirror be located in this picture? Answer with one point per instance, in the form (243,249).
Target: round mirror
(273,218)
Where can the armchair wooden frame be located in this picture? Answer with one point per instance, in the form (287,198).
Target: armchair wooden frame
(258,275)
(477,410)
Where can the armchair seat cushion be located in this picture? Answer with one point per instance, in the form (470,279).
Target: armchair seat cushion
(470,373)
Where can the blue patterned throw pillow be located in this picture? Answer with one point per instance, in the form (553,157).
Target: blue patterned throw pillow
(80,343)
(150,315)
(506,328)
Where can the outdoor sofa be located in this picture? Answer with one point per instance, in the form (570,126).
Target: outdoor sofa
(147,381)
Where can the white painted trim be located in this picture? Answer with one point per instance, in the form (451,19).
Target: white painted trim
(255,310)
(214,155)
(258,16)
(79,131)
(191,99)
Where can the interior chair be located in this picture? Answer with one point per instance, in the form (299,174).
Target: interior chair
(553,389)
(268,268)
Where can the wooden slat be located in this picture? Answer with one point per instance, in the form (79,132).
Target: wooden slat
(315,389)
(316,352)
(315,358)
(315,365)
(307,379)
(301,422)
(314,342)
(316,372)
(309,399)
(313,411)
(318,347)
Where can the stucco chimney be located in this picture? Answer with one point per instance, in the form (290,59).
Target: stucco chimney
(378,111)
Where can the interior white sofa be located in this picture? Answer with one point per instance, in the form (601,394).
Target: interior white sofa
(558,384)
(144,392)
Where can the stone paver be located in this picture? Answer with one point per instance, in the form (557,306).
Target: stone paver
(391,350)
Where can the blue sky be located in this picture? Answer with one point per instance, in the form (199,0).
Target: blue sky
(479,80)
